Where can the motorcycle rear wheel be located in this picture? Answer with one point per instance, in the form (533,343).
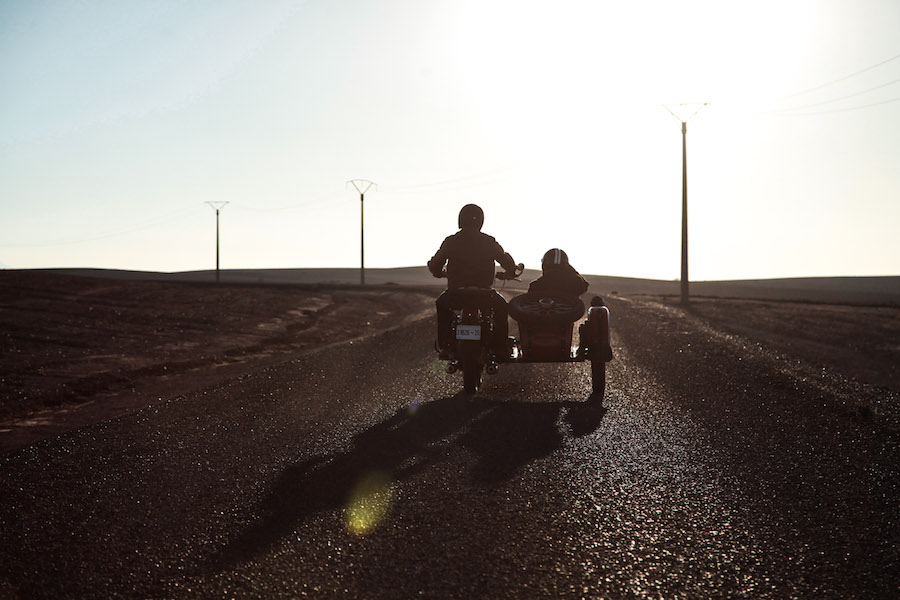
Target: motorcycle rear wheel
(471,375)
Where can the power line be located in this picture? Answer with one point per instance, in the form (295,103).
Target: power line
(836,110)
(150,224)
(467,181)
(288,207)
(442,190)
(833,100)
(844,78)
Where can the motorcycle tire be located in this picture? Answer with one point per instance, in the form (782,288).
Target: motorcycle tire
(472,375)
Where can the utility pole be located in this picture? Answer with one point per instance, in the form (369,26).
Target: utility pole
(362,186)
(684,218)
(217,206)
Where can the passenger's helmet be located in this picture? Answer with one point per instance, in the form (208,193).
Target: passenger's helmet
(471,216)
(554,258)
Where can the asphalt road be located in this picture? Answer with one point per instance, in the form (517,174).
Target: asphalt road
(711,469)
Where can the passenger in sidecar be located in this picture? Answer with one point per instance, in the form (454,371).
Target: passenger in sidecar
(546,324)
(546,316)
(559,277)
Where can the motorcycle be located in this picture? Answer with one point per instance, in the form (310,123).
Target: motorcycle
(546,325)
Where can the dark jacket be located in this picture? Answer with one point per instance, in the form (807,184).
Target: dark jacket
(469,255)
(562,280)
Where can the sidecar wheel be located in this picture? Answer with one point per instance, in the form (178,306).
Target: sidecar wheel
(536,308)
(472,375)
(598,377)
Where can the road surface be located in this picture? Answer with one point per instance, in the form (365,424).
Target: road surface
(711,469)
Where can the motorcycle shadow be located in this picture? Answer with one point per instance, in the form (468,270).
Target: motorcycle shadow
(499,437)
(510,435)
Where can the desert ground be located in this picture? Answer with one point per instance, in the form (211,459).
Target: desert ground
(79,347)
(77,350)
(165,436)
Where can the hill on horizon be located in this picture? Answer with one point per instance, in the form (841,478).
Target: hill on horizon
(884,290)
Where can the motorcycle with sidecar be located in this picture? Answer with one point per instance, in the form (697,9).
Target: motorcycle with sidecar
(546,331)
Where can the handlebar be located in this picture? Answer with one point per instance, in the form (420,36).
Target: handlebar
(502,275)
(511,275)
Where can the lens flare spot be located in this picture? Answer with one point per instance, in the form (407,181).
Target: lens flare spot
(413,408)
(369,503)
(438,367)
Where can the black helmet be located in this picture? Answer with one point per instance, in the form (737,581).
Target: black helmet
(470,216)
(554,258)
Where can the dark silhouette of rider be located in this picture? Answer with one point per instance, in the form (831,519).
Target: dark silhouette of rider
(559,276)
(469,256)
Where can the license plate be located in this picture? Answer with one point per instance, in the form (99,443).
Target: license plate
(468,332)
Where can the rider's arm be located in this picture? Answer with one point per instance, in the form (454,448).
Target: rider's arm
(506,261)
(582,286)
(437,262)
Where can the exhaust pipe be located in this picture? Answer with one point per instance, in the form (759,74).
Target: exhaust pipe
(452,367)
(491,368)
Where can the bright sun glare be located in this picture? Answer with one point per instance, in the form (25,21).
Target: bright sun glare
(576,91)
(582,58)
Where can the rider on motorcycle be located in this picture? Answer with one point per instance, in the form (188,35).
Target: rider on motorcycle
(559,276)
(469,256)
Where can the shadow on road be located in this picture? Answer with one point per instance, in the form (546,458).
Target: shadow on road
(502,436)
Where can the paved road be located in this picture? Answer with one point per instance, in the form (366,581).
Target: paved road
(711,470)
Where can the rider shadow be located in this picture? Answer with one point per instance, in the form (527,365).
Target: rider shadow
(502,436)
(510,435)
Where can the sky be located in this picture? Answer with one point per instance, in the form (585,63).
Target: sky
(121,121)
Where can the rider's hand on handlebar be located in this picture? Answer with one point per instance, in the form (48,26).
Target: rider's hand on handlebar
(511,275)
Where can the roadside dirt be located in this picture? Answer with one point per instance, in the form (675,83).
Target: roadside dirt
(861,343)
(78,350)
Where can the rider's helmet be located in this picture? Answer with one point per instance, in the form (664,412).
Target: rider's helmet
(554,258)
(471,217)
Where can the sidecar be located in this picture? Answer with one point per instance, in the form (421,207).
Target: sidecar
(546,330)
